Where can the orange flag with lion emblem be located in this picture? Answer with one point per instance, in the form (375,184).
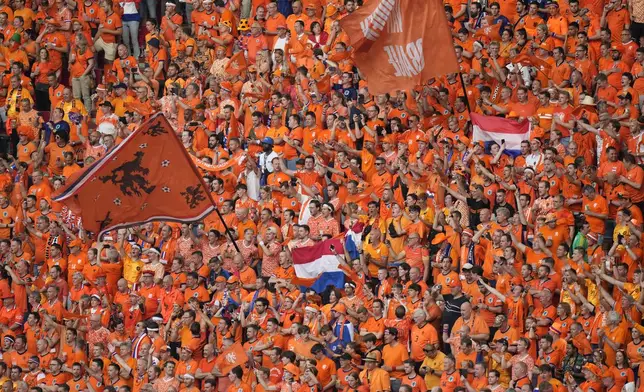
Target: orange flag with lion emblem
(148,177)
(236,64)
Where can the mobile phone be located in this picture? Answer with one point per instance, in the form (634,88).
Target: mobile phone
(462,372)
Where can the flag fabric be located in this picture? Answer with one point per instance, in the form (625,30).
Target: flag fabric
(236,64)
(352,238)
(362,199)
(490,33)
(399,44)
(231,357)
(317,267)
(533,61)
(305,213)
(148,177)
(439,119)
(497,129)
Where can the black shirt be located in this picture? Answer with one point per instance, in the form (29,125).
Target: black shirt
(475,209)
(452,310)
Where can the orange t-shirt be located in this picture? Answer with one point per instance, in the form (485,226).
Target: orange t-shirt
(110,22)
(421,337)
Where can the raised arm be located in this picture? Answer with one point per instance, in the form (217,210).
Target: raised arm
(492,290)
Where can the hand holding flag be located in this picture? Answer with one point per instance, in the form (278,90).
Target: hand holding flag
(236,64)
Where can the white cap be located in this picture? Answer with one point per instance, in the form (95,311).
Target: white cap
(106,128)
(468,266)
(153,250)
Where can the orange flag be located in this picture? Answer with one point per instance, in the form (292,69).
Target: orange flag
(324,84)
(533,61)
(236,64)
(231,357)
(148,177)
(523,58)
(399,44)
(491,33)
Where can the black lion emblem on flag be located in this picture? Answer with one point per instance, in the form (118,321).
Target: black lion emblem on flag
(193,195)
(130,177)
(156,129)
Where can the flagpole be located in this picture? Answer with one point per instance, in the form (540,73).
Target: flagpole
(193,166)
(467,101)
(223,222)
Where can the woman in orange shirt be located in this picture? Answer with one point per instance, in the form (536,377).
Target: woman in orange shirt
(39,71)
(621,371)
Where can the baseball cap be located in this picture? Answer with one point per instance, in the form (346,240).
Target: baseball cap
(455,283)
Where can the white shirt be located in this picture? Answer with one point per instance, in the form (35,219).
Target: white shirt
(266,161)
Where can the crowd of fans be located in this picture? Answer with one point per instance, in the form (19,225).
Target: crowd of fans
(478,270)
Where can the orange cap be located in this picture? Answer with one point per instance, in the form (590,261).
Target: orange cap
(294,370)
(340,308)
(464,139)
(594,369)
(227,86)
(233,279)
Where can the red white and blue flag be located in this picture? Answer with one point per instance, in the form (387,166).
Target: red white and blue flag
(497,129)
(317,266)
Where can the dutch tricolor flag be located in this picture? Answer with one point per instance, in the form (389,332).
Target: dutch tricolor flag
(317,266)
(496,129)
